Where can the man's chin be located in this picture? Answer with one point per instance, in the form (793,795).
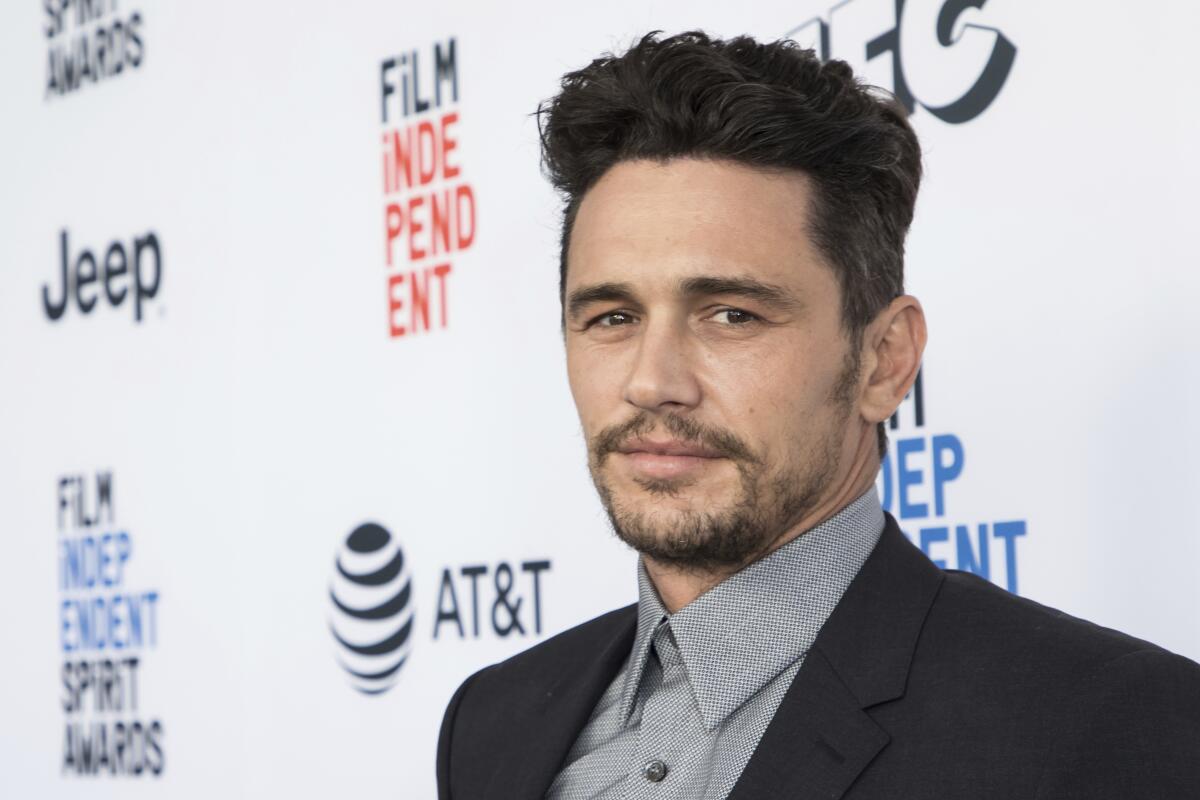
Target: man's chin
(672,501)
(694,492)
(687,540)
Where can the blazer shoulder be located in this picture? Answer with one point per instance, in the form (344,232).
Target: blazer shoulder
(557,656)
(581,641)
(511,695)
(1129,730)
(971,613)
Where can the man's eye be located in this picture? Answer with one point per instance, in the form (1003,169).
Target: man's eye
(611,319)
(735,316)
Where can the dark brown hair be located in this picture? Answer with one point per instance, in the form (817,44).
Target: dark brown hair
(772,105)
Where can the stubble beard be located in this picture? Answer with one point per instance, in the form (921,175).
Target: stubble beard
(768,502)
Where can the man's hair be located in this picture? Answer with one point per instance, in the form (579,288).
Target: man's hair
(770,106)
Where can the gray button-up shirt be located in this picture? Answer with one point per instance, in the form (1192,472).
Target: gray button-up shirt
(684,714)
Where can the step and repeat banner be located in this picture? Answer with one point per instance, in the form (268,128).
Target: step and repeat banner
(286,444)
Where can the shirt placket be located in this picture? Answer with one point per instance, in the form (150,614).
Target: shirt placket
(669,720)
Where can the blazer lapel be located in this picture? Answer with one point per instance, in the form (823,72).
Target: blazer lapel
(821,737)
(817,743)
(560,715)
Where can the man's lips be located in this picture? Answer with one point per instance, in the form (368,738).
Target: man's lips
(667,448)
(664,460)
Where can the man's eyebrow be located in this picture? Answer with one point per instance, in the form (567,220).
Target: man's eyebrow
(750,288)
(597,293)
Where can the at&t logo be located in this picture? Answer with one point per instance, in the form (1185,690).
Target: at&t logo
(371,615)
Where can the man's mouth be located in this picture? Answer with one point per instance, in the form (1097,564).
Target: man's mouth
(668,458)
(668,447)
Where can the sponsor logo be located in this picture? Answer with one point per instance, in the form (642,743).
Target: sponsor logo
(373,608)
(916,482)
(931,54)
(372,616)
(130,273)
(504,612)
(428,205)
(107,628)
(89,41)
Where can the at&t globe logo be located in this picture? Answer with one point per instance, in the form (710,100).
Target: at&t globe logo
(371,616)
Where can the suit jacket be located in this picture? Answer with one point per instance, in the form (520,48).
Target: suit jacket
(923,683)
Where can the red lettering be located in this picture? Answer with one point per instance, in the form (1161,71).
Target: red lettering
(440,272)
(394,304)
(436,220)
(416,315)
(460,193)
(428,167)
(448,144)
(415,253)
(441,221)
(401,159)
(393,223)
(420,300)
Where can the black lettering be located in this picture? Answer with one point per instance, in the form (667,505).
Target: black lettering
(536,568)
(85,274)
(64,502)
(135,57)
(420,104)
(56,310)
(990,81)
(447,614)
(121,746)
(54,21)
(504,581)
(117,43)
(145,291)
(52,83)
(70,695)
(104,494)
(473,573)
(386,87)
(132,664)
(154,754)
(445,68)
(68,760)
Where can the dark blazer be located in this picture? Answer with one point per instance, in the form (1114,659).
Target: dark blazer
(924,683)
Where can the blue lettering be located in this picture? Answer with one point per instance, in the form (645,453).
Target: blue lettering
(114,622)
(886,474)
(87,561)
(906,478)
(135,622)
(105,559)
(118,621)
(151,599)
(124,550)
(970,560)
(1009,531)
(66,627)
(944,473)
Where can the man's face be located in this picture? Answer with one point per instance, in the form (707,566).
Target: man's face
(714,381)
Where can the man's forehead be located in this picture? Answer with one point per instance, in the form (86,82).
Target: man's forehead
(698,191)
(658,225)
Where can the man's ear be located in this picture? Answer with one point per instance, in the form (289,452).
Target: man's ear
(893,345)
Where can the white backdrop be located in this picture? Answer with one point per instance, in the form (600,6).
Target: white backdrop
(260,409)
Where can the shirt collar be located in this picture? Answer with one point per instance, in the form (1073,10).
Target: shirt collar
(736,637)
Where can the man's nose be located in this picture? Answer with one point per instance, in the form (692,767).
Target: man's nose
(661,377)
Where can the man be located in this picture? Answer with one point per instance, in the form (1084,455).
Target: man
(736,334)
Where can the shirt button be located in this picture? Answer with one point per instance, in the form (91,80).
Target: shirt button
(654,771)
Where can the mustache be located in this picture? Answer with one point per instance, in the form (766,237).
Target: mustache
(724,442)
